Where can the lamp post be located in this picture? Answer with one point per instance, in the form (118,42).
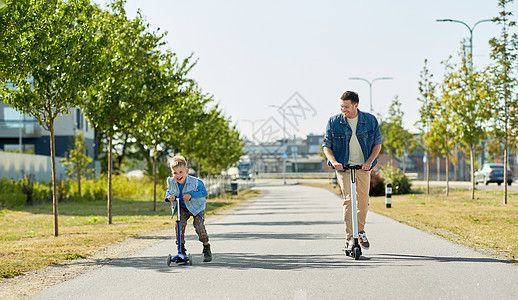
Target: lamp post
(470,34)
(370,83)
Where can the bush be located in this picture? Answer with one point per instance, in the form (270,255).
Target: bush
(16,193)
(11,193)
(377,187)
(399,181)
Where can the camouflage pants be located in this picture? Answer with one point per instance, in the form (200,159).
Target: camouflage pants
(198,223)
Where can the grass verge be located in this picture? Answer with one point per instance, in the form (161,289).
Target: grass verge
(484,224)
(27,242)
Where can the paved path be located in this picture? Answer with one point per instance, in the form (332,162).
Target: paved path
(287,244)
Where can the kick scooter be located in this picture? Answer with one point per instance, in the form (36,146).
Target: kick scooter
(179,258)
(356,251)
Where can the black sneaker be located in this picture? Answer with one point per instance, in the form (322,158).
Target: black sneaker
(207,255)
(184,250)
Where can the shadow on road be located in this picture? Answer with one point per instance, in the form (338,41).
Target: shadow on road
(408,257)
(275,236)
(288,262)
(280,223)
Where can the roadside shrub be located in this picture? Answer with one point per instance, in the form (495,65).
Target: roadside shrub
(400,182)
(377,187)
(42,192)
(11,193)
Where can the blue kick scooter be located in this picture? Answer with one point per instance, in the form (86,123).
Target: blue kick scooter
(179,258)
(356,250)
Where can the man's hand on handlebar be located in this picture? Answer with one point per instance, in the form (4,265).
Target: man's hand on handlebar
(366,166)
(338,166)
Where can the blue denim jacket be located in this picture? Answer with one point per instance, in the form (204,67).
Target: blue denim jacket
(338,134)
(193,186)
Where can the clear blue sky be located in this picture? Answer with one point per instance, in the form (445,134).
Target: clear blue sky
(253,54)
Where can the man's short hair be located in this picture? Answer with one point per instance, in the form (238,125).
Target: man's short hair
(350,95)
(178,161)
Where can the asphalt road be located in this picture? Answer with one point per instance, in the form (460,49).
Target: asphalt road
(286,244)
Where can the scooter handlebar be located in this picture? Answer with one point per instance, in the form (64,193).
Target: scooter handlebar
(350,167)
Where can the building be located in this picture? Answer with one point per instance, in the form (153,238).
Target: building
(301,156)
(22,131)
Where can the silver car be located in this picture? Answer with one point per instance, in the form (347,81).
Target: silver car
(493,173)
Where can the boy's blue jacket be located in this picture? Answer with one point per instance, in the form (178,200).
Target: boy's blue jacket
(194,187)
(338,135)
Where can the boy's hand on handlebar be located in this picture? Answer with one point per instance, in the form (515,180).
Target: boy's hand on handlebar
(186,197)
(338,166)
(171,198)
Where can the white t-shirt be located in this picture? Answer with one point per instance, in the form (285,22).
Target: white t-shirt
(355,150)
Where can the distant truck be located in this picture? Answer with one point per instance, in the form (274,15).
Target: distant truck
(244,170)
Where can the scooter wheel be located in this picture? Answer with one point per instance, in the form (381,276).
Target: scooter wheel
(357,252)
(169,258)
(190,260)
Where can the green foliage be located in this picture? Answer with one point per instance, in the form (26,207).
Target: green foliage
(399,181)
(15,193)
(10,273)
(77,161)
(214,143)
(396,139)
(73,256)
(47,53)
(12,195)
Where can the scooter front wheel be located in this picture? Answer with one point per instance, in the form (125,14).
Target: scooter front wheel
(169,258)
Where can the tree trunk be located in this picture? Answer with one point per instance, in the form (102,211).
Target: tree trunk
(438,168)
(123,152)
(505,169)
(110,170)
(154,179)
(427,174)
(54,183)
(472,171)
(78,180)
(447,176)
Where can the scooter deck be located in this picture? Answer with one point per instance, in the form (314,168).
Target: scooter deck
(179,259)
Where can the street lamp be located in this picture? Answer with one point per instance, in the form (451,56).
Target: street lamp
(370,86)
(470,34)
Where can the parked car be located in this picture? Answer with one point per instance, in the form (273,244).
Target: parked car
(493,173)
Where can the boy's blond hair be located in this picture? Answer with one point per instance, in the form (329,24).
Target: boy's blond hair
(178,161)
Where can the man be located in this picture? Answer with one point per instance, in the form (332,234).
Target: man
(353,137)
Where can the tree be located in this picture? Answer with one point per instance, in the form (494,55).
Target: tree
(427,98)
(77,161)
(468,101)
(397,139)
(168,89)
(115,99)
(504,102)
(46,54)
(441,139)
(213,142)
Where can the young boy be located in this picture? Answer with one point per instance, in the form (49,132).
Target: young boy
(191,192)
